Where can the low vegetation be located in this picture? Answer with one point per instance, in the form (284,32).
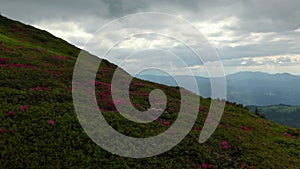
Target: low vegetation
(282,114)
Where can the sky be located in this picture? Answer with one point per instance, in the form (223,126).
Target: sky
(248,35)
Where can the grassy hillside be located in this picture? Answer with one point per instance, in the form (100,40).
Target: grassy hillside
(39,127)
(283,114)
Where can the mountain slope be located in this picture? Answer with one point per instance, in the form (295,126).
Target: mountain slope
(39,127)
(283,114)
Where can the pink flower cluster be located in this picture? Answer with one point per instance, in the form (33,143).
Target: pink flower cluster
(53,72)
(18,65)
(10,113)
(2,60)
(105,101)
(225,125)
(105,70)
(245,166)
(20,47)
(7,50)
(265,122)
(245,128)
(196,129)
(23,108)
(60,57)
(204,165)
(137,85)
(224,144)
(66,88)
(51,122)
(102,83)
(40,88)
(202,109)
(288,135)
(165,123)
(3,130)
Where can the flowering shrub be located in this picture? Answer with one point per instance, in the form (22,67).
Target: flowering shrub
(51,122)
(225,144)
(10,113)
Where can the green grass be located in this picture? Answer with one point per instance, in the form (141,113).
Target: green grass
(283,114)
(30,142)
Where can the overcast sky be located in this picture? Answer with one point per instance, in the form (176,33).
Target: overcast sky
(249,35)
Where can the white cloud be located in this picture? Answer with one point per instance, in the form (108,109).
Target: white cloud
(148,42)
(231,26)
(297,30)
(275,60)
(217,32)
(70,31)
(243,63)
(214,27)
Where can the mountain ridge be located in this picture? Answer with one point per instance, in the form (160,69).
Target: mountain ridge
(248,88)
(39,126)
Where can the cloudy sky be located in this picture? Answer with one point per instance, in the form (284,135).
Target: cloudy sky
(248,35)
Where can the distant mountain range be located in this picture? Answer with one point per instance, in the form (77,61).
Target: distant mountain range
(248,88)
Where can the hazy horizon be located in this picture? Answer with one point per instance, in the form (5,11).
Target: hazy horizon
(248,35)
(231,73)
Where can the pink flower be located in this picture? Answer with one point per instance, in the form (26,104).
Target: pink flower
(202,109)
(40,88)
(251,167)
(20,47)
(203,165)
(51,122)
(3,130)
(244,165)
(224,125)
(196,129)
(60,57)
(258,121)
(2,60)
(10,113)
(22,65)
(165,123)
(225,145)
(245,128)
(288,135)
(23,108)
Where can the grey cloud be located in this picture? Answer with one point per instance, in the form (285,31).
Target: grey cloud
(33,10)
(253,16)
